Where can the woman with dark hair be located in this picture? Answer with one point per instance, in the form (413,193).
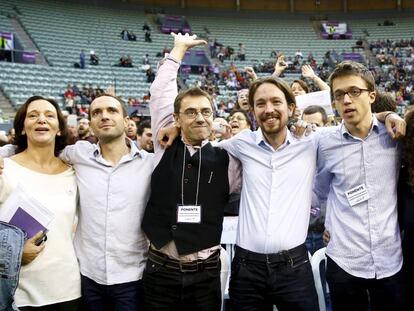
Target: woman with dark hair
(239,121)
(243,104)
(299,87)
(49,276)
(406,200)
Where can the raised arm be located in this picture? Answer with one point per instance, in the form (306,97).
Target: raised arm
(308,72)
(164,88)
(280,66)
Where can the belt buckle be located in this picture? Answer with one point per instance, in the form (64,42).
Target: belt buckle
(289,258)
(184,270)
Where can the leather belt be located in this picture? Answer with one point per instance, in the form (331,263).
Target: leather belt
(211,262)
(291,256)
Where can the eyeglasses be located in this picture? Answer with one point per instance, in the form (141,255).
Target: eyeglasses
(353,92)
(193,113)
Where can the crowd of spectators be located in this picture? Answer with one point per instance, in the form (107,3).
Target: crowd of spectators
(78,97)
(394,72)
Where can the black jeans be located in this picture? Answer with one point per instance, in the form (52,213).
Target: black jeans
(167,289)
(259,281)
(118,297)
(350,293)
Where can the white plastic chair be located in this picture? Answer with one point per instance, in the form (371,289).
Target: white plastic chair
(316,259)
(224,275)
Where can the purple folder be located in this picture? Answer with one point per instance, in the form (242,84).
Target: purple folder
(26,222)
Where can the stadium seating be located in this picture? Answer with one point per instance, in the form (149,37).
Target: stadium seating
(62,29)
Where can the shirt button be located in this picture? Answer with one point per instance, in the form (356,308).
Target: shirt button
(185,180)
(189,166)
(174,227)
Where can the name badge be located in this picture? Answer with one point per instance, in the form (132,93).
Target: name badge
(357,195)
(189,214)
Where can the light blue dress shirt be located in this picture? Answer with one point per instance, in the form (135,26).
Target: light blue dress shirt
(365,238)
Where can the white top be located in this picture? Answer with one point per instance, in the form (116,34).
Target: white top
(109,242)
(53,276)
(276,193)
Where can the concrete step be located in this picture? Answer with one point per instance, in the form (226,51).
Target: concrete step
(6,106)
(27,41)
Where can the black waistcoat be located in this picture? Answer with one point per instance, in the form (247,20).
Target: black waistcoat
(160,218)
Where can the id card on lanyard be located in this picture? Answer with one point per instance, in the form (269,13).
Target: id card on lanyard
(190,214)
(357,195)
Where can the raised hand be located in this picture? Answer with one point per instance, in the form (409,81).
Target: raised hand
(280,65)
(251,73)
(184,42)
(308,72)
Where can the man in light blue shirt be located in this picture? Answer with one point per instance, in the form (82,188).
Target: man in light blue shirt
(358,165)
(271,263)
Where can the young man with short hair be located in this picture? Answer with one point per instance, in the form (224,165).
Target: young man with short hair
(358,165)
(315,115)
(144,136)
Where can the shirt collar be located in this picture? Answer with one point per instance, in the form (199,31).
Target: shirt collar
(261,140)
(133,152)
(374,127)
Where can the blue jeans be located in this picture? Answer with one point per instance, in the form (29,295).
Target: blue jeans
(314,241)
(11,249)
(284,279)
(118,297)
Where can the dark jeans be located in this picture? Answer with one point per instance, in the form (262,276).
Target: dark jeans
(62,306)
(350,293)
(118,297)
(172,290)
(284,279)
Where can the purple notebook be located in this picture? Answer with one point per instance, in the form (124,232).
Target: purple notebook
(26,222)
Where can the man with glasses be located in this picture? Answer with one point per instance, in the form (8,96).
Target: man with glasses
(358,165)
(190,187)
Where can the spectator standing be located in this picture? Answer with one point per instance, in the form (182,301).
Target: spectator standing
(82,59)
(242,52)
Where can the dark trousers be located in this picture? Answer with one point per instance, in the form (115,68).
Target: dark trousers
(62,306)
(172,290)
(284,279)
(118,297)
(352,293)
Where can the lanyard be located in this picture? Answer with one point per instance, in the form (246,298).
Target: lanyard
(361,165)
(198,178)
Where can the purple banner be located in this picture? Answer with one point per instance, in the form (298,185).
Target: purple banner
(29,57)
